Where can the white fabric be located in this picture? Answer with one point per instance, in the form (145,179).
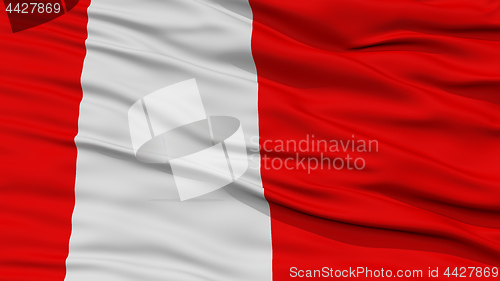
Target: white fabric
(128,222)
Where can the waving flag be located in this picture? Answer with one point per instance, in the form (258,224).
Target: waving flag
(249,140)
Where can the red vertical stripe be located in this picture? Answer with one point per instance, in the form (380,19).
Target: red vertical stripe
(40,93)
(420,77)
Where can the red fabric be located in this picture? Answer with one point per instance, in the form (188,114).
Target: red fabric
(422,78)
(40,94)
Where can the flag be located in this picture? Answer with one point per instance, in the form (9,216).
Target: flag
(249,140)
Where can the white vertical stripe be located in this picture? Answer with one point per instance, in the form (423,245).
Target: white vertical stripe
(129,223)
